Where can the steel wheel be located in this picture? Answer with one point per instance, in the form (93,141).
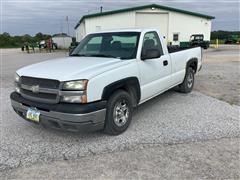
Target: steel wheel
(187,85)
(121,113)
(190,80)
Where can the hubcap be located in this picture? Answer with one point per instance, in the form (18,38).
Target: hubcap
(121,113)
(190,80)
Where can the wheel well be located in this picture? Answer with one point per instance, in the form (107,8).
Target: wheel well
(130,85)
(193,63)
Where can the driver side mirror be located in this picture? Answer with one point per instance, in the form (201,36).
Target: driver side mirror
(150,54)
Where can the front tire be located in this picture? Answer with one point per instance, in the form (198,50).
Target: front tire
(188,82)
(119,113)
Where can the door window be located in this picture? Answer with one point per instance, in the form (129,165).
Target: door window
(151,41)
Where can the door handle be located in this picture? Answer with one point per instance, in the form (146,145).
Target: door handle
(165,63)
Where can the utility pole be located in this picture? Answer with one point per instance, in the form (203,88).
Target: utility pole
(61,26)
(68,25)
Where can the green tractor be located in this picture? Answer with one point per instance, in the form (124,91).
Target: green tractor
(196,40)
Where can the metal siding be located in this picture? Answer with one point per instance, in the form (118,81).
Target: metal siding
(123,20)
(186,25)
(62,42)
(151,6)
(153,20)
(168,22)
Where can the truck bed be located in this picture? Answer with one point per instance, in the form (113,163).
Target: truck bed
(173,49)
(180,56)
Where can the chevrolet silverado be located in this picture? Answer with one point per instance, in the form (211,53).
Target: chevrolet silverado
(103,79)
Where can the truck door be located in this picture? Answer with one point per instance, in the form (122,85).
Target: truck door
(155,72)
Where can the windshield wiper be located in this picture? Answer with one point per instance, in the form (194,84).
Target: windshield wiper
(78,55)
(95,55)
(103,55)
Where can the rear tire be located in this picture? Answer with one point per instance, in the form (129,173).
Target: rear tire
(119,113)
(188,83)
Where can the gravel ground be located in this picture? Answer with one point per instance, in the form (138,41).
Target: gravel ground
(220,75)
(167,119)
(214,159)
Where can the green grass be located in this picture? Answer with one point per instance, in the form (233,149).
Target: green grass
(220,41)
(10,46)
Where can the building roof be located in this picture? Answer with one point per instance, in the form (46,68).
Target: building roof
(61,35)
(144,7)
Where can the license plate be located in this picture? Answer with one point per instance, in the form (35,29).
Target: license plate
(33,114)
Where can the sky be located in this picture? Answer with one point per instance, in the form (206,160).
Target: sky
(19,17)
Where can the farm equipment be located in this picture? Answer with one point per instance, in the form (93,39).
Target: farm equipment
(198,40)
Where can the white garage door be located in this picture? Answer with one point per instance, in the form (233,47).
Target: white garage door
(153,20)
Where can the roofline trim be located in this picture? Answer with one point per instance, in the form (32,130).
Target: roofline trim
(143,7)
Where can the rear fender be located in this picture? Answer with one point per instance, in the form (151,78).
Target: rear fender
(193,63)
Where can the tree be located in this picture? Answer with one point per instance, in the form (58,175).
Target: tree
(5,34)
(223,35)
(4,39)
(27,38)
(39,36)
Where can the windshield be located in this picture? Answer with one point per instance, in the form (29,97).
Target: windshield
(122,45)
(197,37)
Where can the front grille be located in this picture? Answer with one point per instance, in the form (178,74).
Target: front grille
(44,83)
(39,95)
(44,94)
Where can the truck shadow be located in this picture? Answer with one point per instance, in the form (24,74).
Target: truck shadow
(154,103)
(146,107)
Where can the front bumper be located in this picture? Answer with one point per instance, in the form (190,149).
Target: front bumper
(64,116)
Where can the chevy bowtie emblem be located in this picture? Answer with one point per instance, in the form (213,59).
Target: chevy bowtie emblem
(35,89)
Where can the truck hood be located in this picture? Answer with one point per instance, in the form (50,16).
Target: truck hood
(71,68)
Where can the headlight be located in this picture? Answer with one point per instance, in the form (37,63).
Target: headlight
(17,89)
(16,78)
(75,99)
(16,83)
(75,85)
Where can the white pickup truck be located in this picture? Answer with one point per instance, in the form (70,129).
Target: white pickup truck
(104,78)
